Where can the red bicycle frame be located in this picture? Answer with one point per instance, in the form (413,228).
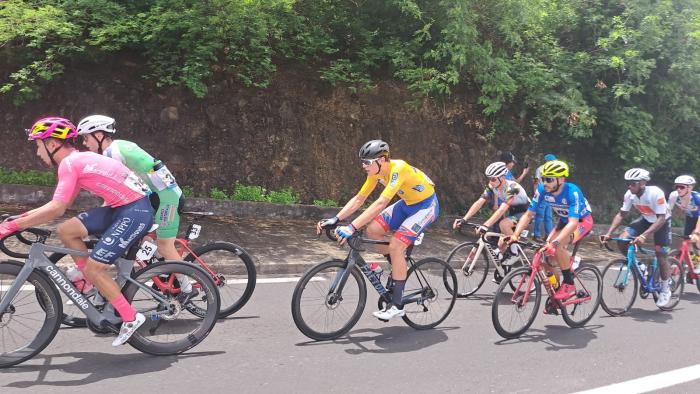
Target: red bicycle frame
(536,268)
(685,256)
(182,246)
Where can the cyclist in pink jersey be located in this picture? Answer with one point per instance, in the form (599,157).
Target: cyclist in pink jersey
(123,219)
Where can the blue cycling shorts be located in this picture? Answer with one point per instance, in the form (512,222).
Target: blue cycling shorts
(118,228)
(409,221)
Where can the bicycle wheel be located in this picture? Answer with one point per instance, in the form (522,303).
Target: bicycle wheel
(234,270)
(677,283)
(620,287)
(167,329)
(33,317)
(471,270)
(426,298)
(72,315)
(589,283)
(511,313)
(320,310)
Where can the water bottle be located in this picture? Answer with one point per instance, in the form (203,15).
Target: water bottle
(575,263)
(377,269)
(643,269)
(553,280)
(76,276)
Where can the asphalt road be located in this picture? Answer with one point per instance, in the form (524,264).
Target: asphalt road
(260,350)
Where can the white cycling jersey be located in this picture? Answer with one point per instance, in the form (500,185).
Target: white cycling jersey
(651,203)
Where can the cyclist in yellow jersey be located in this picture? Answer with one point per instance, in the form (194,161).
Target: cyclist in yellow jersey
(417,208)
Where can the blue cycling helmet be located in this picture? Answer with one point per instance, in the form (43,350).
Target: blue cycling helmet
(549,157)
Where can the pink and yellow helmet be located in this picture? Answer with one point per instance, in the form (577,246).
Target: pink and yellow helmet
(52,127)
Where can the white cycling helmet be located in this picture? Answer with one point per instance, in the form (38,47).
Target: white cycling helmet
(637,174)
(95,123)
(684,180)
(496,169)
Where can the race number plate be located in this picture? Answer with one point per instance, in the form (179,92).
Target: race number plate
(147,250)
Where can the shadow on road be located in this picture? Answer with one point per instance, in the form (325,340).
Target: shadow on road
(557,337)
(395,339)
(91,367)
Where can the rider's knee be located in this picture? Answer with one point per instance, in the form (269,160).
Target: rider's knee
(375,230)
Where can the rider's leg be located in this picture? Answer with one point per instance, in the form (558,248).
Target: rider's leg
(662,243)
(399,270)
(506,228)
(375,230)
(71,233)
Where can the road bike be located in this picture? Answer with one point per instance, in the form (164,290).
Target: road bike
(229,265)
(471,261)
(519,295)
(31,310)
(622,277)
(688,255)
(330,297)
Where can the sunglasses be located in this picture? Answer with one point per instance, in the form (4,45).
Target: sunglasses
(368,162)
(632,183)
(681,187)
(549,179)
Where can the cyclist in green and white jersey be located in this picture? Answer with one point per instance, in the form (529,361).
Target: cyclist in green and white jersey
(97,132)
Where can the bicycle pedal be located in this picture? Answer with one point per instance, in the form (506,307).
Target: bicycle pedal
(383,320)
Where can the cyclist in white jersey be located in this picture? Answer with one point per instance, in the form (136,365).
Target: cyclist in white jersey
(650,201)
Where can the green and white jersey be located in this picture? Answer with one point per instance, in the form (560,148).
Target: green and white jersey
(152,171)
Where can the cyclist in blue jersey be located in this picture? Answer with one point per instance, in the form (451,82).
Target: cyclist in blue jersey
(576,221)
(510,160)
(687,200)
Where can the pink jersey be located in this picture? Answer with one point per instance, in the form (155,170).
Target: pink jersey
(106,178)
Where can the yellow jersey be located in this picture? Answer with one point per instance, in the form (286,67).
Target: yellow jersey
(410,183)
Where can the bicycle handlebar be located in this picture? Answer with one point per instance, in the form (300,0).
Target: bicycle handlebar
(38,235)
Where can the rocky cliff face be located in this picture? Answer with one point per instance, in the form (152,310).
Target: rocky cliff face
(297,133)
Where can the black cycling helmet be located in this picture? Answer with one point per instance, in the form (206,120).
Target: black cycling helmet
(374,149)
(508,157)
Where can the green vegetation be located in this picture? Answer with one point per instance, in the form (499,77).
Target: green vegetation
(218,194)
(284,196)
(248,193)
(622,77)
(326,203)
(28,177)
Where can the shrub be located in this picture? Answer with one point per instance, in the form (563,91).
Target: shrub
(326,203)
(27,177)
(284,196)
(187,191)
(218,194)
(243,192)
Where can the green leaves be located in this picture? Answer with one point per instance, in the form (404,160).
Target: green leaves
(603,72)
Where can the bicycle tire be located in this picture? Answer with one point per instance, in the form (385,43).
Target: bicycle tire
(231,301)
(504,300)
(466,286)
(306,284)
(613,289)
(588,281)
(49,304)
(208,295)
(430,295)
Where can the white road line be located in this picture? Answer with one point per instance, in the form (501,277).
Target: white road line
(650,383)
(5,286)
(274,280)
